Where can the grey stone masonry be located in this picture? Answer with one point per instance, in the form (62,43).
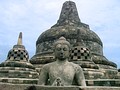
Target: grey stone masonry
(17,69)
(78,34)
(36,87)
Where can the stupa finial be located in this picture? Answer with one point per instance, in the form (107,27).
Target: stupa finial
(20,39)
(69,14)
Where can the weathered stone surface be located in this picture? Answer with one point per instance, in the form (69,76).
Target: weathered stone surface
(17,69)
(36,87)
(82,56)
(98,70)
(69,15)
(103,82)
(70,32)
(62,72)
(118,74)
(78,34)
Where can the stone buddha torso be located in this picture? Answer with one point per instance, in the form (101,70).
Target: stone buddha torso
(61,73)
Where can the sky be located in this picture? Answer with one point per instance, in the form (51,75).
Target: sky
(32,17)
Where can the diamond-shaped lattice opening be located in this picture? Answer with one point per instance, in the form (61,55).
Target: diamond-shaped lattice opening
(82,54)
(75,49)
(79,57)
(86,57)
(71,57)
(81,48)
(21,58)
(15,52)
(75,54)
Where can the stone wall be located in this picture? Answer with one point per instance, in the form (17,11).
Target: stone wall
(23,87)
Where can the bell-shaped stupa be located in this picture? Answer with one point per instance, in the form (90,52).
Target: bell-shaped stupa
(17,69)
(87,47)
(70,26)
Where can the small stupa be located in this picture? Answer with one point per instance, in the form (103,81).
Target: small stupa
(17,69)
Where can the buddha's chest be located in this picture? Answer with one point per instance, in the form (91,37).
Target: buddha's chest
(64,72)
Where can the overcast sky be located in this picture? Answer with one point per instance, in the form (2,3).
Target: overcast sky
(32,17)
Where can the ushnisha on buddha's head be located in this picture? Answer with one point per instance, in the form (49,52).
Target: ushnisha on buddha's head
(61,48)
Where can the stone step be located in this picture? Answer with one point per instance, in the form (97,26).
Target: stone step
(103,82)
(16,68)
(37,87)
(18,81)
(18,74)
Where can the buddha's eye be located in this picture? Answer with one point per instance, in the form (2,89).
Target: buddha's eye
(65,49)
(58,49)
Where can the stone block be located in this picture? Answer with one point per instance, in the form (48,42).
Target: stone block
(37,87)
(103,82)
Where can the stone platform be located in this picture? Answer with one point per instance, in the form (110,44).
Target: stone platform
(23,87)
(103,82)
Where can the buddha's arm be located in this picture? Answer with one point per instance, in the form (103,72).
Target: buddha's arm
(43,76)
(80,77)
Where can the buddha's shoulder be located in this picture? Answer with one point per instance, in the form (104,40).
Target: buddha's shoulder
(73,64)
(76,66)
(48,65)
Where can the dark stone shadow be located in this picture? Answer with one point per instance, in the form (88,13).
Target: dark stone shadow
(31,88)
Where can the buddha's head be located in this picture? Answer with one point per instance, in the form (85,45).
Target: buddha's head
(61,49)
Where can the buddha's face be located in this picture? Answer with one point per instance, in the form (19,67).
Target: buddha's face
(61,51)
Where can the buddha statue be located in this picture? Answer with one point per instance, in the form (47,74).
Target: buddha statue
(61,72)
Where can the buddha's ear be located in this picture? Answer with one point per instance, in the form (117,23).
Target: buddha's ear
(70,48)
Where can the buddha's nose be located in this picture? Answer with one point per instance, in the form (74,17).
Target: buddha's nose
(61,52)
